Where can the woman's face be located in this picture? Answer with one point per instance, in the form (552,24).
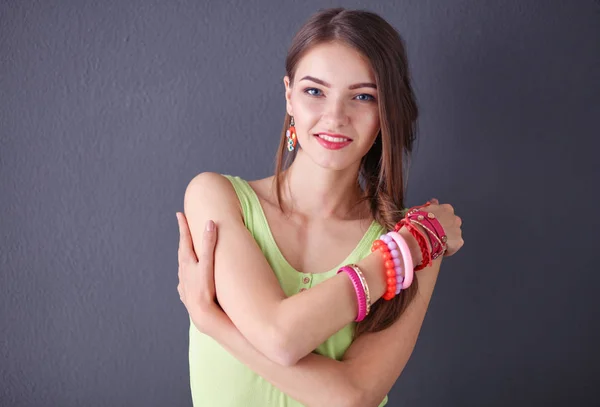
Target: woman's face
(334,92)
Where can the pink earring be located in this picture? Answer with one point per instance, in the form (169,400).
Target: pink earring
(291,137)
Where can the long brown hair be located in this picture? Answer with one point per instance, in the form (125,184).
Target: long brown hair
(381,173)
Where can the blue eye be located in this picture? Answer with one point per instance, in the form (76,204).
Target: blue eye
(307,91)
(372,99)
(368,99)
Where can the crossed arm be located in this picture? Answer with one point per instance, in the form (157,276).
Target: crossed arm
(277,341)
(370,367)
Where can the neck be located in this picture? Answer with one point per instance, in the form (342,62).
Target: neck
(314,192)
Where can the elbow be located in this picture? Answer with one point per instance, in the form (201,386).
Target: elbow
(281,347)
(359,393)
(356,398)
(347,396)
(284,358)
(281,350)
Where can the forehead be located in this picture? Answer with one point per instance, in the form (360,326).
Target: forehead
(335,63)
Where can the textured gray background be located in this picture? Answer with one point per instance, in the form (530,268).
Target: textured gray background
(108,109)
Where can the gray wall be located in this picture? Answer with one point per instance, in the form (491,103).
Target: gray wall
(108,109)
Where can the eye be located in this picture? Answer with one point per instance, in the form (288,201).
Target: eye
(369,97)
(307,91)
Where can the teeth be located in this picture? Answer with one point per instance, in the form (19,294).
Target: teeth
(332,139)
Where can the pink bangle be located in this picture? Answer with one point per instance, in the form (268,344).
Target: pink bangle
(365,287)
(360,292)
(406,258)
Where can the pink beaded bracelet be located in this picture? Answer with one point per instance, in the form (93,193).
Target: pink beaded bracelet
(360,291)
(406,258)
(397,259)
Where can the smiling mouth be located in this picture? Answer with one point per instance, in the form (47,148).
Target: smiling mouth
(331,142)
(332,139)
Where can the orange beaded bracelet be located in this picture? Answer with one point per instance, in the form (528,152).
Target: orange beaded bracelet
(389,265)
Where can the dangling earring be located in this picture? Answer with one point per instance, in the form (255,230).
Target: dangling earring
(290,135)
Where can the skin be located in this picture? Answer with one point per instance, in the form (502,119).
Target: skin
(323,228)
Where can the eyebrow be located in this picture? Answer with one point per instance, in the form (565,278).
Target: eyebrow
(355,86)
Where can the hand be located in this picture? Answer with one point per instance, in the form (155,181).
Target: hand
(451,224)
(197,278)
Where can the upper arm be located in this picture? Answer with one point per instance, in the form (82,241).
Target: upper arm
(376,360)
(246,286)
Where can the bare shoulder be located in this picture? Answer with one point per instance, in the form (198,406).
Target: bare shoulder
(211,194)
(264,189)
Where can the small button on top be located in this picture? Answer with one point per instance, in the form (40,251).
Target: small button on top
(306,280)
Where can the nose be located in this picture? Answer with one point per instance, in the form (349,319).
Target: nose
(335,114)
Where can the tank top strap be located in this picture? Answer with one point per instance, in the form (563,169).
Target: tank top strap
(251,210)
(244,194)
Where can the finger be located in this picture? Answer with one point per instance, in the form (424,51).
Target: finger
(209,242)
(449,207)
(186,246)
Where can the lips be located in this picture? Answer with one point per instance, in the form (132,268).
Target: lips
(332,145)
(333,135)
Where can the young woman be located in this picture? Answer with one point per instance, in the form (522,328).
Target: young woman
(273,322)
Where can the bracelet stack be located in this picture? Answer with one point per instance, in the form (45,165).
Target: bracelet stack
(398,262)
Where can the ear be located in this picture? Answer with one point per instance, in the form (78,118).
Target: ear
(288,96)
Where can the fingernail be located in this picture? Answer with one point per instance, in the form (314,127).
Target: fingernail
(210,226)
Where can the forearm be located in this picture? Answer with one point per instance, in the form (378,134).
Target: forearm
(376,360)
(327,379)
(301,318)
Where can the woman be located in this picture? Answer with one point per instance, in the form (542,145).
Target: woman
(288,329)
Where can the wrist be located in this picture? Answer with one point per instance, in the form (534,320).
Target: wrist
(413,245)
(372,267)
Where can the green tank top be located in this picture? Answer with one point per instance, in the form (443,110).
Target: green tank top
(219,379)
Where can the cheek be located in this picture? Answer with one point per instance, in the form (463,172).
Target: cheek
(368,119)
(308,108)
(307,115)
(370,127)
(373,119)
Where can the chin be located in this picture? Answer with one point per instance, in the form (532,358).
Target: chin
(340,163)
